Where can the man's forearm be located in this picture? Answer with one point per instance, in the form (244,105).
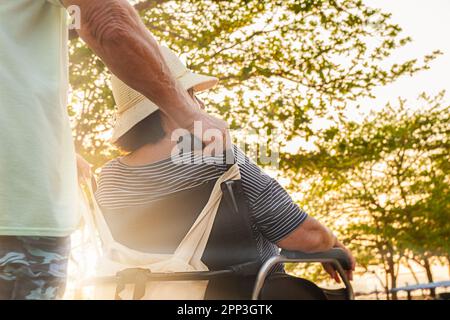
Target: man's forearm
(114,31)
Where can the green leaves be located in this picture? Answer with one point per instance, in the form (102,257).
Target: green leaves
(284,65)
(387,177)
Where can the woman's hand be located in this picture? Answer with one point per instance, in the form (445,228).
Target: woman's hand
(332,272)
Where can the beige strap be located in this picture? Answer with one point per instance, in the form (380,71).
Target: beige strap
(116,249)
(194,243)
(191,248)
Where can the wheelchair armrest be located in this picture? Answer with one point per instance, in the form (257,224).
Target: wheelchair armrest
(337,254)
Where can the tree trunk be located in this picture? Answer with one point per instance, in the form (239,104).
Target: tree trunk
(448,265)
(386,278)
(392,275)
(411,269)
(384,284)
(386,287)
(426,265)
(393,284)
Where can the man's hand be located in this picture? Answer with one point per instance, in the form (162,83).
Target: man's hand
(84,168)
(332,272)
(212,131)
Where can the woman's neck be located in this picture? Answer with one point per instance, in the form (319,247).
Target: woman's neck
(150,153)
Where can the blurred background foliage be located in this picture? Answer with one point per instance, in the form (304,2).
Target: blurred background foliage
(382,182)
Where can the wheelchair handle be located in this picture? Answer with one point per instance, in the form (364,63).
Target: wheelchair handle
(335,253)
(336,256)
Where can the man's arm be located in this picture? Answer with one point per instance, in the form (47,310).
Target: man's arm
(115,32)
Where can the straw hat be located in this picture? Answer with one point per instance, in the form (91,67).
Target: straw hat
(133,107)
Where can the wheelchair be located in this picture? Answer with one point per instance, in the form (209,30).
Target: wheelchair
(236,271)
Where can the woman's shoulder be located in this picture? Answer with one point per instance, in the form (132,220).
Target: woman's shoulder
(109,167)
(254,179)
(111,164)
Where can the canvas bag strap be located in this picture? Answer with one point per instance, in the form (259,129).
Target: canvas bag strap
(192,246)
(97,218)
(100,228)
(88,219)
(194,243)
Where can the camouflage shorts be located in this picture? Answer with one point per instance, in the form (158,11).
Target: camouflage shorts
(33,268)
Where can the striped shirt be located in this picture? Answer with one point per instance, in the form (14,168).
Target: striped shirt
(273,213)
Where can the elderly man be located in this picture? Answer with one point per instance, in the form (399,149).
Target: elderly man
(38,191)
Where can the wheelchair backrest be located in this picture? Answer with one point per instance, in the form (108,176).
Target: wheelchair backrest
(159,226)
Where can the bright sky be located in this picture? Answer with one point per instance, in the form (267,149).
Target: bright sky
(428,23)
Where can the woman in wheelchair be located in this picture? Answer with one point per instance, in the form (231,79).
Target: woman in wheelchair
(151,196)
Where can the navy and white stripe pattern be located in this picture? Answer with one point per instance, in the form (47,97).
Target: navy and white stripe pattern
(273,213)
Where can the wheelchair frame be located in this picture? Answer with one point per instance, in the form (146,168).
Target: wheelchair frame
(140,277)
(336,257)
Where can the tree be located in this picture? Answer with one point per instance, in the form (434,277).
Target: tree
(281,63)
(385,183)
